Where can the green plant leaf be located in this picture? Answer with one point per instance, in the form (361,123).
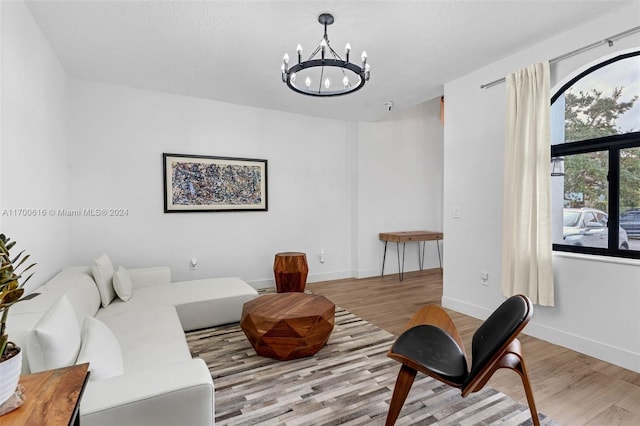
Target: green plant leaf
(11,297)
(29,277)
(15,259)
(11,285)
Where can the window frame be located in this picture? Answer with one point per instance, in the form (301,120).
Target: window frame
(612,144)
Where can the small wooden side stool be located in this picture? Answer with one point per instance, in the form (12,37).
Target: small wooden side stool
(290,270)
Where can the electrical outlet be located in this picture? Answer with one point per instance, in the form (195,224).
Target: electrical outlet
(322,256)
(484,278)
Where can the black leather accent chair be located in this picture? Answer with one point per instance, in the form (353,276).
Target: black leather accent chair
(432,345)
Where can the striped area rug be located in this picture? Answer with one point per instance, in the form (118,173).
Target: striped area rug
(349,382)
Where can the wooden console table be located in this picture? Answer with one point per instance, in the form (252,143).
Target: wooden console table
(407,237)
(52,397)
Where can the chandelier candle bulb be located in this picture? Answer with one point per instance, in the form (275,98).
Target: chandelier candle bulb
(324,65)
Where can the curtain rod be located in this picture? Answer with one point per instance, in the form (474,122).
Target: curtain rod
(608,40)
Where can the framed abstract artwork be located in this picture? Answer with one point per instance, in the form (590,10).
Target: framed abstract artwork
(199,183)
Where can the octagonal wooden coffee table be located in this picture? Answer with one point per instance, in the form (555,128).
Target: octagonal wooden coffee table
(287,326)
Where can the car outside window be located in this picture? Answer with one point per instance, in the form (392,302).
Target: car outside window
(630,221)
(571,218)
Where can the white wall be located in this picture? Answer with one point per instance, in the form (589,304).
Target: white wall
(34,143)
(597,302)
(119,136)
(399,187)
(325,177)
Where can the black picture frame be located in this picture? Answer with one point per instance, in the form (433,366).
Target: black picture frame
(202,183)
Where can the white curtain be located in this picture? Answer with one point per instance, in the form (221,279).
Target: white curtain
(526,229)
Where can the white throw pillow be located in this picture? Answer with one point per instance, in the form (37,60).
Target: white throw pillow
(100,349)
(102,270)
(122,284)
(54,341)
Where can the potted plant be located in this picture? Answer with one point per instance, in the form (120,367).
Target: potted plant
(11,291)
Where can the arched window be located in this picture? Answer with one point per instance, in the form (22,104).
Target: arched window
(595,137)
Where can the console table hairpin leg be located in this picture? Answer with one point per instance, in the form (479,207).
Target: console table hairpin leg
(417,236)
(401,266)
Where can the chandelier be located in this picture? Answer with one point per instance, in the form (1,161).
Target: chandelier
(328,75)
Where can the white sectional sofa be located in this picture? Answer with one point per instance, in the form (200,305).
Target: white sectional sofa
(142,372)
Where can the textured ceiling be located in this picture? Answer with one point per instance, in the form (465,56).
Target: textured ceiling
(231,51)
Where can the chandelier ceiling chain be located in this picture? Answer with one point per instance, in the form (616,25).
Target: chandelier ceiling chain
(319,76)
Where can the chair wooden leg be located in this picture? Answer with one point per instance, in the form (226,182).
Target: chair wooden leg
(522,371)
(514,360)
(405,379)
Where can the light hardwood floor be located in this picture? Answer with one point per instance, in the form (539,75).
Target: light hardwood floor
(571,388)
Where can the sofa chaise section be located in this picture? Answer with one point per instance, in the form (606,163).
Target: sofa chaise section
(200,303)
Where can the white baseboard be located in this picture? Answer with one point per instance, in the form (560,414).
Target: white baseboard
(366,273)
(599,350)
(466,308)
(329,276)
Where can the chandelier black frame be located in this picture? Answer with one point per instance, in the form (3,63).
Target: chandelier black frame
(328,59)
